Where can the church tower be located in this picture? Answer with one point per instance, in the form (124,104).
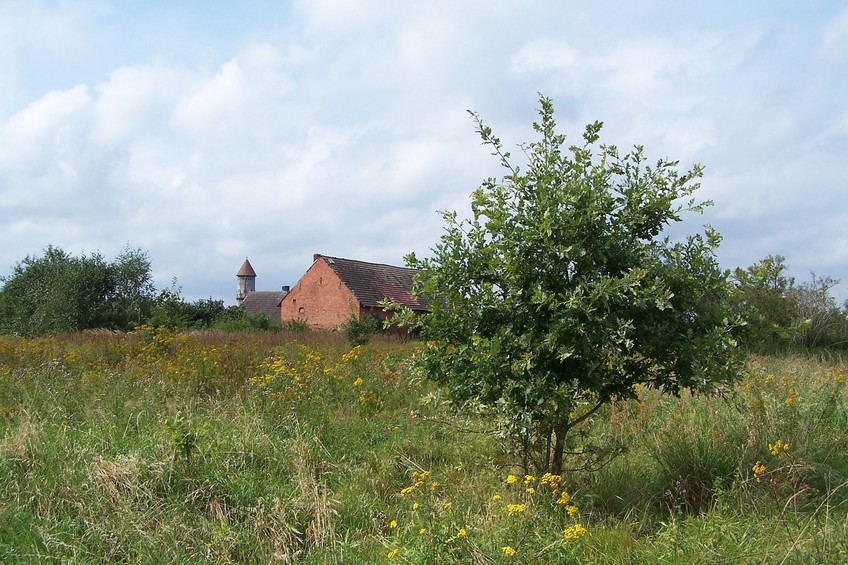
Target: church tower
(246,281)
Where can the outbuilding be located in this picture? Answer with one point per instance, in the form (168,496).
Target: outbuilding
(335,290)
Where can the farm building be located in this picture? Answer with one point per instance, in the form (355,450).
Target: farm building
(334,290)
(254,301)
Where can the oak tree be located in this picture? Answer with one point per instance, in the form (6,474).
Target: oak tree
(562,291)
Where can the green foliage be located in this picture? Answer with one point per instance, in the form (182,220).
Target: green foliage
(296,325)
(822,323)
(779,314)
(760,297)
(185,435)
(236,319)
(559,294)
(358,331)
(172,311)
(59,293)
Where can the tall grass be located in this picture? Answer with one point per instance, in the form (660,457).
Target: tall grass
(290,447)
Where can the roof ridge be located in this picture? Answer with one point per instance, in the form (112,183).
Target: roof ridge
(366,262)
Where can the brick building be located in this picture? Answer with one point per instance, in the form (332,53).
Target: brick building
(334,290)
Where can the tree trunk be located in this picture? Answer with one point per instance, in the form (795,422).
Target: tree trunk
(560,432)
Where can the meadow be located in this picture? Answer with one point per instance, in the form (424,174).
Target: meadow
(258,447)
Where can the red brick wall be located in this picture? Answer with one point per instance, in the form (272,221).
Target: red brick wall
(320,298)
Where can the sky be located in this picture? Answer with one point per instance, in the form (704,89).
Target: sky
(208,132)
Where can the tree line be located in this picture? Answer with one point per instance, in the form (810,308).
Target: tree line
(58,293)
(780,314)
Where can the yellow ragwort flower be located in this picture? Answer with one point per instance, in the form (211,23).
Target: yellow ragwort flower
(446,505)
(461,533)
(791,396)
(529,479)
(575,532)
(415,506)
(393,524)
(511,479)
(564,499)
(572,510)
(551,480)
(514,509)
(778,447)
(422,531)
(508,551)
(759,470)
(497,497)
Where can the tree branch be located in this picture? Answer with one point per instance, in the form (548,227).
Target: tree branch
(594,409)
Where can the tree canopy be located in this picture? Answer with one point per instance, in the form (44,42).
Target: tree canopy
(561,292)
(58,292)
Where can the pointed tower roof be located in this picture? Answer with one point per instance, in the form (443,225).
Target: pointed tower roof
(246,269)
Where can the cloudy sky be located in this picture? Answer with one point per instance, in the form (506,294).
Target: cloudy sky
(207,132)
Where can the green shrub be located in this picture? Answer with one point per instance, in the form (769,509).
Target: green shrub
(359,331)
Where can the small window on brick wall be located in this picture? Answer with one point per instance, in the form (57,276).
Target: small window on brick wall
(301,313)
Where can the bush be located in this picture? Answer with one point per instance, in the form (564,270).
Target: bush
(359,331)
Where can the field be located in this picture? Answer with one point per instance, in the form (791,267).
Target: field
(157,447)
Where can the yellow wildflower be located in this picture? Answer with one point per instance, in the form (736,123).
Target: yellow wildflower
(497,497)
(778,447)
(529,479)
(508,551)
(393,524)
(353,354)
(551,480)
(422,531)
(446,505)
(415,506)
(393,553)
(564,499)
(759,470)
(511,479)
(514,509)
(358,382)
(791,396)
(531,490)
(572,510)
(461,533)
(575,532)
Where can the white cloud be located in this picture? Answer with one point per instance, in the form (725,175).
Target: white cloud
(343,129)
(135,100)
(40,163)
(236,98)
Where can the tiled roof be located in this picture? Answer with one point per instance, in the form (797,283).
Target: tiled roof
(265,302)
(372,282)
(246,270)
